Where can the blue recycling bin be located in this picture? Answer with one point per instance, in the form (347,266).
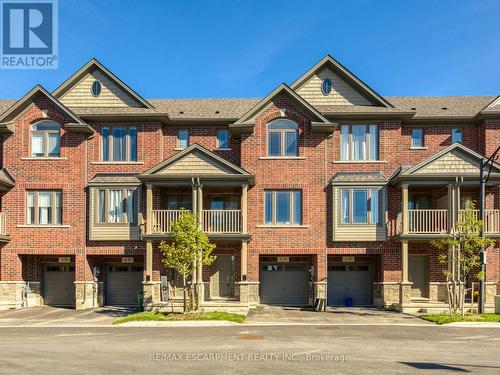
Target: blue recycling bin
(348,302)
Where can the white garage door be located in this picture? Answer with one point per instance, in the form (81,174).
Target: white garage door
(283,283)
(59,285)
(123,283)
(349,281)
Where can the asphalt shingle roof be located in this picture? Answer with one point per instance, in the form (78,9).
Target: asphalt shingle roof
(352,177)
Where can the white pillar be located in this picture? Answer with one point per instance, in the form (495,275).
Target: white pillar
(404,261)
(244,260)
(404,201)
(149,209)
(149,261)
(244,208)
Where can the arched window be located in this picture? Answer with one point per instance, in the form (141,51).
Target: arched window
(46,139)
(282,138)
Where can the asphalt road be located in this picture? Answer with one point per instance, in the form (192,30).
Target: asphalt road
(249,350)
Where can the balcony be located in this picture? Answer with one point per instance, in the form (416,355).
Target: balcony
(491,220)
(212,221)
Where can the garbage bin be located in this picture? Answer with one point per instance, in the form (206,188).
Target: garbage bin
(348,302)
(140,301)
(497,304)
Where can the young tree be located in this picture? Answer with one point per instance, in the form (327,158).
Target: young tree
(188,244)
(462,249)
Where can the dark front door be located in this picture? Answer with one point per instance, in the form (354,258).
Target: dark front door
(417,273)
(222,277)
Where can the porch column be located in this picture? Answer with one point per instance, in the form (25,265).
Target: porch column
(404,204)
(199,201)
(244,209)
(149,261)
(404,261)
(199,264)
(452,209)
(194,199)
(244,260)
(405,285)
(149,209)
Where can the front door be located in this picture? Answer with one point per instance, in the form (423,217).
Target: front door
(222,277)
(417,273)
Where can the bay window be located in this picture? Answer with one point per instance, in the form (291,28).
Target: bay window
(283,207)
(360,206)
(44,208)
(119,143)
(115,206)
(359,142)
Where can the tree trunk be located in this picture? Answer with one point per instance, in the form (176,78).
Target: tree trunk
(184,292)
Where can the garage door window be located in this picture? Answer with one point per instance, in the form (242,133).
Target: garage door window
(360,206)
(272,268)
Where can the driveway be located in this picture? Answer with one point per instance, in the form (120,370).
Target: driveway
(56,316)
(266,314)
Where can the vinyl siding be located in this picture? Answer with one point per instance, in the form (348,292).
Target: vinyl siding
(450,163)
(196,164)
(358,232)
(109,232)
(342,93)
(111,94)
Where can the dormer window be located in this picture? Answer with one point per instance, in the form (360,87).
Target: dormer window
(326,86)
(46,139)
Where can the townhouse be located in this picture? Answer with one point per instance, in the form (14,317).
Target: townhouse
(322,190)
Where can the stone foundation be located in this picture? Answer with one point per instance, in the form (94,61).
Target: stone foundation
(386,295)
(88,295)
(248,292)
(152,292)
(438,292)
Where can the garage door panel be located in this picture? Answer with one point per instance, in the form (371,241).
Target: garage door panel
(349,281)
(59,285)
(123,283)
(283,284)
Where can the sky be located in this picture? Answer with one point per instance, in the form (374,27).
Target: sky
(237,48)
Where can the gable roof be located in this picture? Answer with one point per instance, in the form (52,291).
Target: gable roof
(7,126)
(454,161)
(245,123)
(95,64)
(195,161)
(6,180)
(329,61)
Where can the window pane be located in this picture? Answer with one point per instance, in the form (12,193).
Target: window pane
(344,142)
(46,125)
(359,206)
(37,145)
(102,206)
(373,142)
(105,144)
(345,206)
(119,144)
(44,207)
(269,207)
(183,138)
(31,208)
(223,139)
(58,208)
(374,205)
(172,203)
(115,206)
(132,135)
(358,142)
(54,144)
(282,207)
(291,144)
(417,137)
(129,205)
(274,144)
(297,207)
(217,204)
(456,135)
(283,124)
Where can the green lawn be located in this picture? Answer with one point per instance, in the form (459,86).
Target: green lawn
(445,318)
(216,315)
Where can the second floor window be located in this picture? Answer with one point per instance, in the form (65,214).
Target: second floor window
(360,206)
(456,135)
(182,139)
(119,143)
(417,137)
(223,138)
(44,208)
(46,140)
(283,207)
(116,206)
(282,138)
(359,142)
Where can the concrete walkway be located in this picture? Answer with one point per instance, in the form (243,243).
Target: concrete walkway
(55,316)
(333,316)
